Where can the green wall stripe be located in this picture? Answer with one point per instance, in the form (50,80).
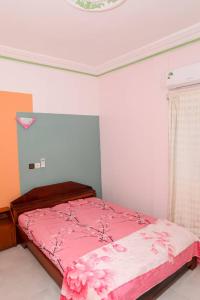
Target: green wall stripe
(107,72)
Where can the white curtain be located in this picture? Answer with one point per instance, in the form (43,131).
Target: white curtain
(184,138)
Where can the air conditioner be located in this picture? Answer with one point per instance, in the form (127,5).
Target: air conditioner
(185,76)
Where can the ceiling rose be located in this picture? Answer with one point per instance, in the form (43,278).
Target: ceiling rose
(95,5)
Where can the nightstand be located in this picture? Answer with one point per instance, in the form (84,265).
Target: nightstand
(7,229)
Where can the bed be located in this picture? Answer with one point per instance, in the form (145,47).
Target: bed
(95,249)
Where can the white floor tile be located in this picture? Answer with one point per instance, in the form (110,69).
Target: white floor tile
(189,285)
(46,294)
(23,278)
(171,295)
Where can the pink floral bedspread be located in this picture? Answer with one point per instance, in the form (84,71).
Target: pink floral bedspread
(105,251)
(67,231)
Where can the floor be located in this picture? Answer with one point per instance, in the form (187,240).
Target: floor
(22,278)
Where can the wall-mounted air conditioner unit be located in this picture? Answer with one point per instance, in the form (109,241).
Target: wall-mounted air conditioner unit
(185,76)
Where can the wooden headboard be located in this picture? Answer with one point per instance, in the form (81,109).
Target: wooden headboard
(50,195)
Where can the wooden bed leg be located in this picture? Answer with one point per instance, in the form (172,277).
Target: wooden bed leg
(193,263)
(24,245)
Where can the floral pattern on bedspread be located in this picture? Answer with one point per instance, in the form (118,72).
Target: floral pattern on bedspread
(160,239)
(67,231)
(96,275)
(84,274)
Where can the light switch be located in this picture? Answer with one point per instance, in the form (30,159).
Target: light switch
(42,163)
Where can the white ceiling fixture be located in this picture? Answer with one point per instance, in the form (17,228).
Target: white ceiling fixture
(96,5)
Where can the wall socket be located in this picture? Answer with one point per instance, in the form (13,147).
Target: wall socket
(37,166)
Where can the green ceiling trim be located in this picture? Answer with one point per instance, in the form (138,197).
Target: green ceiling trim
(106,72)
(150,56)
(45,65)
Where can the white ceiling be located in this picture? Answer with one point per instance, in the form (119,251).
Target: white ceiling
(55,28)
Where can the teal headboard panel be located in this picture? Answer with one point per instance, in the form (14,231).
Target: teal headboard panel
(69,143)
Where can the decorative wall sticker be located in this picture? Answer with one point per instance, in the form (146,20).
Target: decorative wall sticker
(26,122)
(96,5)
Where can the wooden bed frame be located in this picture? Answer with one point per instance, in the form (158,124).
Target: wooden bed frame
(48,196)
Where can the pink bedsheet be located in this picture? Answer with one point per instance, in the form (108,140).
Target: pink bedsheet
(67,231)
(92,233)
(141,284)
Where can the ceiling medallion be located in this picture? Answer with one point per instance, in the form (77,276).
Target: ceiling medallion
(95,5)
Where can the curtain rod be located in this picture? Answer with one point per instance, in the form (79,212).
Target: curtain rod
(183,88)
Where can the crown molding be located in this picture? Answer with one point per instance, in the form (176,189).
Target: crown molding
(177,40)
(24,56)
(166,44)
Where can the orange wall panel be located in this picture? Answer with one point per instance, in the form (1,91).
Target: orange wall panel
(10,103)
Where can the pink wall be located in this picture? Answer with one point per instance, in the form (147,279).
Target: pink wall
(53,91)
(134,131)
